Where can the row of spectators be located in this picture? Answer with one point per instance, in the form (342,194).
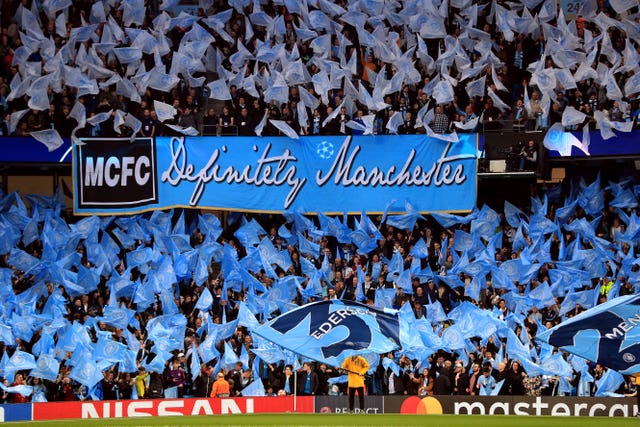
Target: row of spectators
(240,114)
(444,372)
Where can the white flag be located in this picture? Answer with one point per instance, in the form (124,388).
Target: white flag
(99,118)
(471,124)
(572,117)
(133,123)
(443,92)
(303,117)
(395,121)
(164,111)
(190,131)
(285,128)
(497,101)
(621,6)
(118,120)
(450,137)
(476,87)
(333,114)
(258,130)
(49,137)
(15,118)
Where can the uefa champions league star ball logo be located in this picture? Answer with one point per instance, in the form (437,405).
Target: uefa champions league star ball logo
(325,150)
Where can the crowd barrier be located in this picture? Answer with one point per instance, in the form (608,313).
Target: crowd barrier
(431,405)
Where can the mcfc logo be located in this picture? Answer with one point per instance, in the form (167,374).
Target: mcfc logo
(325,150)
(628,357)
(115,173)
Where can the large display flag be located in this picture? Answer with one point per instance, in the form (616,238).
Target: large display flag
(329,331)
(607,334)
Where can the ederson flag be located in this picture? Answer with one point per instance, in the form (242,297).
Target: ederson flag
(608,334)
(331,330)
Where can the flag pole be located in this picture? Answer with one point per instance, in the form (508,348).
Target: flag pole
(295,391)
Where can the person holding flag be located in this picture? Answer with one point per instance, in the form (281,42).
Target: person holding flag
(356,368)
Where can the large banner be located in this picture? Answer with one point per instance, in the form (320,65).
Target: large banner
(329,174)
(164,407)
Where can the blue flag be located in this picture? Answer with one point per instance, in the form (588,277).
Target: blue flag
(254,388)
(330,330)
(204,301)
(20,361)
(609,383)
(607,334)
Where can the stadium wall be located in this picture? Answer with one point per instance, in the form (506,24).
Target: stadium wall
(454,405)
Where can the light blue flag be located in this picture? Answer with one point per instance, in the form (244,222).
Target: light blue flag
(22,260)
(20,361)
(117,317)
(388,363)
(171,392)
(342,379)
(542,296)
(496,390)
(229,357)
(592,198)
(330,330)
(249,233)
(158,363)
(307,247)
(406,221)
(45,344)
(363,241)
(22,326)
(384,298)
(420,249)
(246,317)
(128,363)
(204,301)
(609,383)
(396,265)
(271,354)
(513,215)
(253,389)
(360,275)
(403,281)
(86,372)
(109,350)
(207,348)
(25,390)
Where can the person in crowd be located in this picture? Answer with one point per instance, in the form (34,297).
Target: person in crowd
(221,387)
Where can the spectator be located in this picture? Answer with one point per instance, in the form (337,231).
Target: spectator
(440,122)
(220,387)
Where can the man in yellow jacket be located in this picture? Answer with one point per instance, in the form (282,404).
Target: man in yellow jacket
(356,367)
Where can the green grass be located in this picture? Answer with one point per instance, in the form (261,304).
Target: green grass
(337,420)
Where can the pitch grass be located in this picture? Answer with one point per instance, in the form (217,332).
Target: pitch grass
(346,420)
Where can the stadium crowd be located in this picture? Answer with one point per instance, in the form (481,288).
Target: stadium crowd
(123,307)
(320,67)
(137,305)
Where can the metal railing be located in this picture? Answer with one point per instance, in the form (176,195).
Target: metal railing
(216,130)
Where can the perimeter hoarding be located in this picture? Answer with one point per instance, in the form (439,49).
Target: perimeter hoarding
(454,405)
(173,407)
(329,174)
(512,405)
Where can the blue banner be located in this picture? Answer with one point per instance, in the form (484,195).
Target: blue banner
(274,174)
(330,331)
(607,334)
